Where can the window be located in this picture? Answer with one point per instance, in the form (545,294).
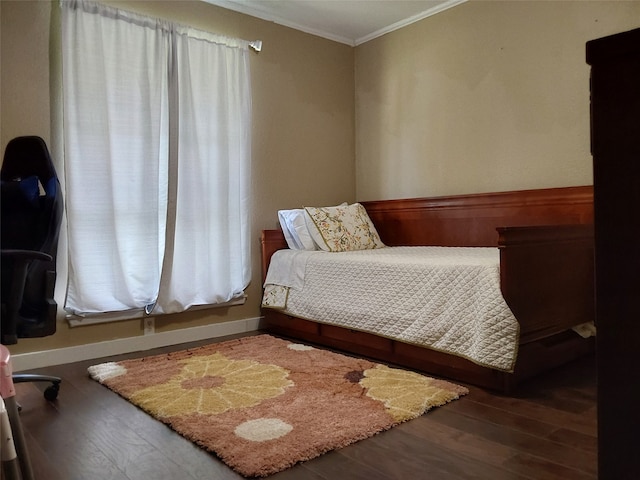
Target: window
(157,162)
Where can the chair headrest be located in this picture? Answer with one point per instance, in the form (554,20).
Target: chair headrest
(26,157)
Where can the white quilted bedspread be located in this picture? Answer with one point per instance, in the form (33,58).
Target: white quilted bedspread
(444,298)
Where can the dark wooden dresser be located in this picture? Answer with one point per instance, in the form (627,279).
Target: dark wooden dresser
(615,146)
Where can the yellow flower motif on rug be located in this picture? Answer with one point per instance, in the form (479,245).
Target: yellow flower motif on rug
(213,384)
(406,395)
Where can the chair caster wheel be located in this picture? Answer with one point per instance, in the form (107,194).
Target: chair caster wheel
(51,392)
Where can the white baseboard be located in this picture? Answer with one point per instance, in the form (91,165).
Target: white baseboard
(47,358)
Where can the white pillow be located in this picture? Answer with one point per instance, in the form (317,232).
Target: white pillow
(295,230)
(342,228)
(283,216)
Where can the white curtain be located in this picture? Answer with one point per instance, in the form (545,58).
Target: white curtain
(157,150)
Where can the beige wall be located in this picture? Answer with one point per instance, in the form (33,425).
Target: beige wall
(487,96)
(303,131)
(24,43)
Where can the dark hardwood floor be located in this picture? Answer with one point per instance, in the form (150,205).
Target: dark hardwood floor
(546,431)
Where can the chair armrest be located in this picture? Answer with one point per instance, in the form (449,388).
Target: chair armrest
(25,255)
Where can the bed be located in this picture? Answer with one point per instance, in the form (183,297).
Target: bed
(536,245)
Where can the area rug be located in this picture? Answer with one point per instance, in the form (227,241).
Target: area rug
(263,404)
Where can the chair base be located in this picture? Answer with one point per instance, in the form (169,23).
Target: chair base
(50,393)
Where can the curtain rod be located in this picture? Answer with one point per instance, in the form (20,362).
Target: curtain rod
(94,7)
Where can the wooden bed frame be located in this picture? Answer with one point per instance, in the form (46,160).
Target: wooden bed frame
(545,239)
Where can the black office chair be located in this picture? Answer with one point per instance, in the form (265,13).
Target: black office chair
(31,208)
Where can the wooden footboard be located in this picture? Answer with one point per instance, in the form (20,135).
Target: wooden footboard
(547,277)
(545,239)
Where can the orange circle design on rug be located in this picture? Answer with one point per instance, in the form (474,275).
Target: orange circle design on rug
(206,381)
(213,384)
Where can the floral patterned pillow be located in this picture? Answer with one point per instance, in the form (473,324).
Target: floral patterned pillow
(342,228)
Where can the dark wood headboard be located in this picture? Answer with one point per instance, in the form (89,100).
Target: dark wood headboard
(471,220)
(464,220)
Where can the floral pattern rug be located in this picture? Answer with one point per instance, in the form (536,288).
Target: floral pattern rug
(263,404)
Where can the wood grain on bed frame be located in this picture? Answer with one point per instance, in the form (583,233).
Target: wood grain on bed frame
(545,239)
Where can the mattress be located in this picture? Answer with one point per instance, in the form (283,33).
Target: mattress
(444,298)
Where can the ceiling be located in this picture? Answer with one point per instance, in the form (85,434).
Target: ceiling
(346,21)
